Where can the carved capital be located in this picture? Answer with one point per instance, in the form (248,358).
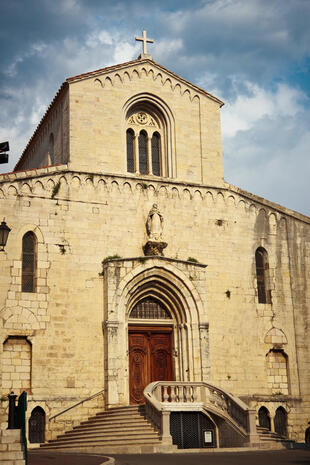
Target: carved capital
(110,326)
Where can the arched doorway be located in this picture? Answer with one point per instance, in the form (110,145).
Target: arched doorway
(154,278)
(280,422)
(36,425)
(150,342)
(264,418)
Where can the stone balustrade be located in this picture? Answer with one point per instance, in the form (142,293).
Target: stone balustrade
(163,397)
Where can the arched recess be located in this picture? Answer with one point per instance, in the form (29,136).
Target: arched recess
(36,426)
(17,353)
(173,290)
(280,422)
(277,372)
(164,125)
(264,418)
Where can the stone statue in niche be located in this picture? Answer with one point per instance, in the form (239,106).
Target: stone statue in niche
(154,229)
(154,224)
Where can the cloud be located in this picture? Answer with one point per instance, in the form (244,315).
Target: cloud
(247,109)
(266,140)
(255,55)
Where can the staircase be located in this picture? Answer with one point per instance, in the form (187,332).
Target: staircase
(118,430)
(270,440)
(126,430)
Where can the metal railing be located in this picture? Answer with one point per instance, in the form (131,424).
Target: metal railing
(76,405)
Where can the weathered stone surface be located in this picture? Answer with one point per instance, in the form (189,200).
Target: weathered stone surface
(75,325)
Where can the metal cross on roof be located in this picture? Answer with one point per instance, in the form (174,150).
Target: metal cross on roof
(144,40)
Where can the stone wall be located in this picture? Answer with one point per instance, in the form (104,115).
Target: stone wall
(98,108)
(11,450)
(50,143)
(93,216)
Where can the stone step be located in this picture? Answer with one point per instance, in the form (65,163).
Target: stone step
(127,408)
(70,435)
(132,422)
(120,426)
(116,415)
(100,442)
(112,428)
(107,422)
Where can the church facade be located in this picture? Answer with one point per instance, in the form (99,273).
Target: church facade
(130,260)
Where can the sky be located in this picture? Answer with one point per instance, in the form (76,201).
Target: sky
(252,54)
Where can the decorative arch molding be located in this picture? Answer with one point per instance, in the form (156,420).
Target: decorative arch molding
(159,106)
(275,337)
(19,319)
(181,293)
(178,287)
(147,72)
(33,228)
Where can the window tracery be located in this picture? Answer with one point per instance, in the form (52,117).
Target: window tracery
(150,308)
(145,143)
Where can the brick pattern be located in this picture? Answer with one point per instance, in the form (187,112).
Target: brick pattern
(16,365)
(277,373)
(11,449)
(95,214)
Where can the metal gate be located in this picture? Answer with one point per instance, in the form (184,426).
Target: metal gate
(37,425)
(192,430)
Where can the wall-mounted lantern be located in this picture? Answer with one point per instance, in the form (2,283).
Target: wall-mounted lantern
(4,234)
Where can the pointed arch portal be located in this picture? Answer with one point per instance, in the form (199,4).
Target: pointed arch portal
(149,346)
(152,328)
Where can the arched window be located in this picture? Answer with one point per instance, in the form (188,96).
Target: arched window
(146,125)
(29,262)
(130,153)
(264,418)
(143,165)
(37,425)
(156,154)
(262,276)
(150,309)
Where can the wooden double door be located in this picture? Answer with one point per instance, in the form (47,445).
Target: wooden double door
(150,358)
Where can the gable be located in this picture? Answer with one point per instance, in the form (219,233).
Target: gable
(137,69)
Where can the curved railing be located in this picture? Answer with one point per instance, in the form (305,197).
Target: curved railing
(163,397)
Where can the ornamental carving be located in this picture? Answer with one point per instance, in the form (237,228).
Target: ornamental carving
(142,119)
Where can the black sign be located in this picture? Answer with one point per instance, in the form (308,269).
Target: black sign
(4,158)
(4,147)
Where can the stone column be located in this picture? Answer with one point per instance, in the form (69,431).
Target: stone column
(136,153)
(253,437)
(204,348)
(112,363)
(165,428)
(149,155)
